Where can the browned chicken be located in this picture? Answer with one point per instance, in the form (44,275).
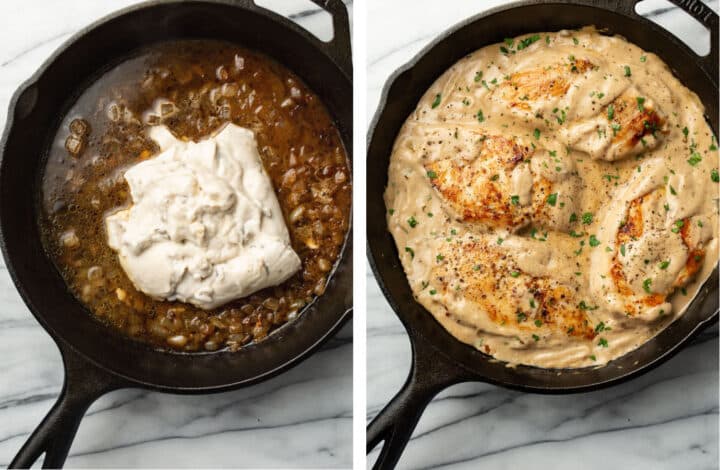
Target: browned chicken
(481,272)
(643,228)
(531,90)
(496,186)
(629,125)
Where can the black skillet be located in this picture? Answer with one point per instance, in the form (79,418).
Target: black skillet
(96,358)
(439,360)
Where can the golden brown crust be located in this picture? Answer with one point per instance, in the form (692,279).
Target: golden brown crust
(541,83)
(477,192)
(484,275)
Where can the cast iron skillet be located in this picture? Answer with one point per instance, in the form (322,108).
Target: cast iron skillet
(97,359)
(439,360)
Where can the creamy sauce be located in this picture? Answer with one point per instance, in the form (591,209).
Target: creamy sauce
(205,226)
(554,199)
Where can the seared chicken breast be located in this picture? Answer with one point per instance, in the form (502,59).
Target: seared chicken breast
(497,182)
(487,275)
(629,125)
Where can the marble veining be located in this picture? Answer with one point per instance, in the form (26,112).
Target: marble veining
(665,419)
(302,418)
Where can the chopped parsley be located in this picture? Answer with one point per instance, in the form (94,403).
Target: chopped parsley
(622,249)
(499,241)
(532,303)
(583,306)
(391,211)
(477,267)
(646,285)
(478,76)
(439,257)
(431,174)
(573,217)
(552,199)
(685,131)
(515,273)
(592,356)
(600,327)
(694,159)
(480,116)
(575,41)
(628,72)
(436,103)
(672,191)
(603,342)
(535,337)
(587,218)
(643,58)
(611,112)
(412,222)
(536,133)
(594,241)
(523,43)
(714,175)
(521,317)
(664,264)
(515,200)
(641,103)
(410,250)
(678,226)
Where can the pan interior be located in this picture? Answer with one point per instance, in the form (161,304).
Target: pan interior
(36,116)
(400,100)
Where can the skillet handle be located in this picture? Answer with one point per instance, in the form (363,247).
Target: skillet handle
(429,375)
(84,383)
(708,18)
(695,8)
(339,47)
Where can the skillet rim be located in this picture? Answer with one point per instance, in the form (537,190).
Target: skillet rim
(417,334)
(70,351)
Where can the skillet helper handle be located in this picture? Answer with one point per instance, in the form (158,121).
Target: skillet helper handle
(695,8)
(708,18)
(84,383)
(430,374)
(339,47)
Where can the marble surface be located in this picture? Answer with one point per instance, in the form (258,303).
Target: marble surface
(666,419)
(302,418)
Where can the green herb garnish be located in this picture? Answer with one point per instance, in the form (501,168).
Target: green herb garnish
(436,103)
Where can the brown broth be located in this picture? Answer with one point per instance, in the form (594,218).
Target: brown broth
(209,83)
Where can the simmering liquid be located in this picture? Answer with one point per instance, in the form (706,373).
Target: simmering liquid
(193,88)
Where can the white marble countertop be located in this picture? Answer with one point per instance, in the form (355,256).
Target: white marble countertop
(302,418)
(666,419)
